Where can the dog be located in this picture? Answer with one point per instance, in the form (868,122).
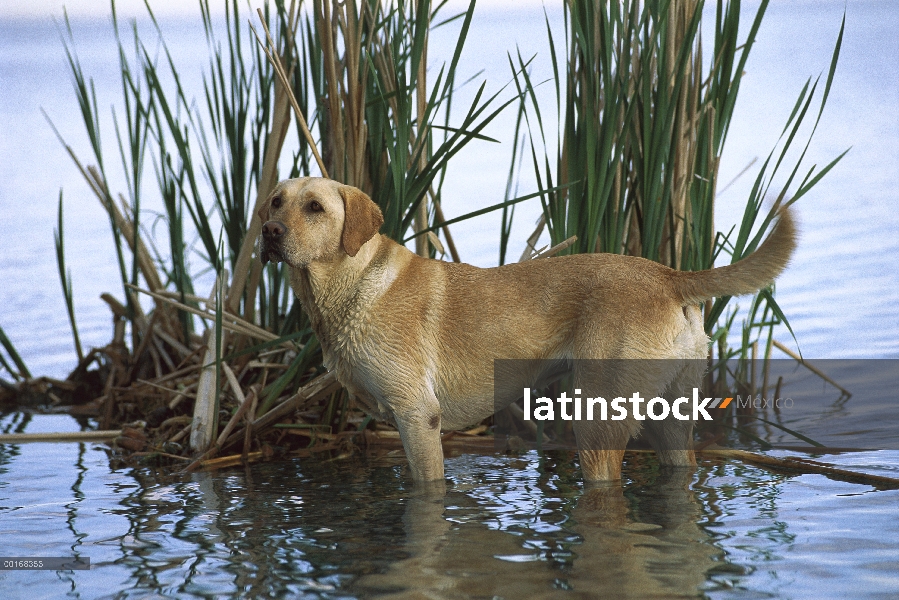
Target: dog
(414,339)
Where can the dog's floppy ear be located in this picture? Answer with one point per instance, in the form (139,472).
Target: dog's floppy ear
(263,208)
(362,221)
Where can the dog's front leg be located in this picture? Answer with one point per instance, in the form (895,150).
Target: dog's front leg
(418,420)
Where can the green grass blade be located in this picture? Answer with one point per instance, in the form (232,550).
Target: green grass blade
(65,279)
(486,210)
(792,432)
(11,351)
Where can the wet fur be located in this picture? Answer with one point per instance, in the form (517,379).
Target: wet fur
(414,339)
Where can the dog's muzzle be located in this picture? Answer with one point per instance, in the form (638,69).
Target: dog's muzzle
(270,241)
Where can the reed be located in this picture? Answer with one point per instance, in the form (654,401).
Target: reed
(20,371)
(358,69)
(65,279)
(644,120)
(644,117)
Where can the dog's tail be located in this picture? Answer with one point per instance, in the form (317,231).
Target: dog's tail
(745,276)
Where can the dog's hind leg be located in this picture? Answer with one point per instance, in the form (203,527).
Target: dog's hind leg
(672,438)
(601,443)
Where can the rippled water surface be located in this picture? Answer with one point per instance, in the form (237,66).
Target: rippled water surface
(509,527)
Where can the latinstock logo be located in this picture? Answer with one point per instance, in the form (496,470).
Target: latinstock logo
(835,403)
(576,408)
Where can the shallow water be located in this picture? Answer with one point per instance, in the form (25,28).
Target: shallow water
(508,527)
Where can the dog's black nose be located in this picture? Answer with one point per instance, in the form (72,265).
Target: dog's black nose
(273,229)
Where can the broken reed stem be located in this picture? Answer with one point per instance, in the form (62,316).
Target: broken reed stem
(811,368)
(204,404)
(170,390)
(239,325)
(313,391)
(227,461)
(554,250)
(531,245)
(232,381)
(248,430)
(73,436)
(205,422)
(95,182)
(801,464)
(245,404)
(755,352)
(276,64)
(438,213)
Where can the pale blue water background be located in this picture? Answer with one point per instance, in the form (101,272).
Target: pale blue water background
(841,292)
(739,532)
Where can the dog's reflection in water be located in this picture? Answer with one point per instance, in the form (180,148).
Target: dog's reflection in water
(623,547)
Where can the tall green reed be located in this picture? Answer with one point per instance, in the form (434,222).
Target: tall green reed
(378,114)
(20,371)
(644,119)
(65,279)
(357,69)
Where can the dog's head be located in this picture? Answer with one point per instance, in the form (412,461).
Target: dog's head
(311,218)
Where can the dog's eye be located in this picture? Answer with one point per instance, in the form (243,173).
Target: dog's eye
(276,202)
(314,206)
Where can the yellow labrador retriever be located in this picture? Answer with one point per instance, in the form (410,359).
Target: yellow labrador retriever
(414,339)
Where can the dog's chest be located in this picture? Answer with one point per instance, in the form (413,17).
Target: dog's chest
(344,330)
(346,340)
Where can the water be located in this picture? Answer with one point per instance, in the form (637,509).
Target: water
(507,526)
(510,527)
